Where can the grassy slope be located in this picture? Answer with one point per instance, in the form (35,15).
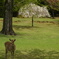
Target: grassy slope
(43,36)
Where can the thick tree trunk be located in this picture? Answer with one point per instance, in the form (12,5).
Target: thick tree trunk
(7,22)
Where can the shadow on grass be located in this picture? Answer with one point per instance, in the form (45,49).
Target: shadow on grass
(2,55)
(37,54)
(23,27)
(33,54)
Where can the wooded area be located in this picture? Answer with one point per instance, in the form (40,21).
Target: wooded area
(7,7)
(52,5)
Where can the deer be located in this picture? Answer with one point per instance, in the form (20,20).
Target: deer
(10,46)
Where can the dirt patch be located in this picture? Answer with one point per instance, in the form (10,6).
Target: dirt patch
(1,20)
(17,21)
(53,22)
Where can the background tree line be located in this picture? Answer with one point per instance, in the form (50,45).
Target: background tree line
(52,5)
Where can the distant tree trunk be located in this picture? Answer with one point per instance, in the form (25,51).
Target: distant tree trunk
(7,21)
(32,21)
(53,14)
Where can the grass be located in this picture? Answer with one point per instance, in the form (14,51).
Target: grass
(43,36)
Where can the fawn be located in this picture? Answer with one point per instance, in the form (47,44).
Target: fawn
(10,46)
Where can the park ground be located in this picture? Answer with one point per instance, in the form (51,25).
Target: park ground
(43,36)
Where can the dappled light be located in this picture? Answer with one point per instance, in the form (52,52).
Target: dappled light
(32,54)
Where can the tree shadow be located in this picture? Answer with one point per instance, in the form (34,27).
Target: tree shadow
(38,54)
(53,55)
(23,27)
(2,55)
(33,54)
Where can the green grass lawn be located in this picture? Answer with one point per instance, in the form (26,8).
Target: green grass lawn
(43,36)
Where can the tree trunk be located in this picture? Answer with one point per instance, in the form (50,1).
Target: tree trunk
(7,22)
(32,21)
(53,14)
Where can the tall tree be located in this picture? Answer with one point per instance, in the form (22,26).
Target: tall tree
(54,5)
(19,3)
(41,2)
(1,8)
(7,21)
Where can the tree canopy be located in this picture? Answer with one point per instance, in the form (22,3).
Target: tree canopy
(20,3)
(54,4)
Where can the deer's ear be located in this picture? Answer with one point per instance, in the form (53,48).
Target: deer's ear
(14,39)
(10,39)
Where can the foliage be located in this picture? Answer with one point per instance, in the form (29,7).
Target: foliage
(54,4)
(20,3)
(41,2)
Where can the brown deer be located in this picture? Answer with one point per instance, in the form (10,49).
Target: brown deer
(10,46)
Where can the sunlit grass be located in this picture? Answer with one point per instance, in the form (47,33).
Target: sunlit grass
(44,36)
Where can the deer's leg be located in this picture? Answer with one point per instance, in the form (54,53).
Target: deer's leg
(12,55)
(6,53)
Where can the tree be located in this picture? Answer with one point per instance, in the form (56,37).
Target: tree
(54,5)
(7,21)
(41,2)
(19,3)
(1,8)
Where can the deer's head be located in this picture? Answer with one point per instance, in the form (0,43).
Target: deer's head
(12,41)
